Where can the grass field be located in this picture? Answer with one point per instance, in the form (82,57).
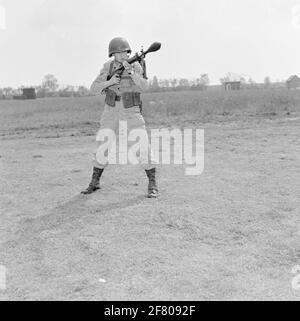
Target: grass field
(81,115)
(230,234)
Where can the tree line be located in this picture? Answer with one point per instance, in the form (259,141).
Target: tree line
(50,86)
(178,84)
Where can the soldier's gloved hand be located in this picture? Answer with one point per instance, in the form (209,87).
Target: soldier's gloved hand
(128,67)
(115,80)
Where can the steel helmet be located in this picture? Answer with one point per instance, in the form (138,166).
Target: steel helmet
(118,45)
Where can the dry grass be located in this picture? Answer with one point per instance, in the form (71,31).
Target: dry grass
(215,105)
(80,116)
(231,233)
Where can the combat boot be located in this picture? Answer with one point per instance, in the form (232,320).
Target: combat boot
(95,182)
(152,187)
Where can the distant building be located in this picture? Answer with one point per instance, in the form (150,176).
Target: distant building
(232,85)
(28,93)
(293,82)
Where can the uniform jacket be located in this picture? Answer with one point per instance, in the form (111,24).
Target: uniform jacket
(129,83)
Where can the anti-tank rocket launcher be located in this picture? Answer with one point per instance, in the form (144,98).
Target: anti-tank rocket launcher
(138,57)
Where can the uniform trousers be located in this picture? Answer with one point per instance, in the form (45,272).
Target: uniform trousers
(120,129)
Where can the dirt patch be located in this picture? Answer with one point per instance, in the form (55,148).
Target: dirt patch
(231,233)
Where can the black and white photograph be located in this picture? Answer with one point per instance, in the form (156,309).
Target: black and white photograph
(150,152)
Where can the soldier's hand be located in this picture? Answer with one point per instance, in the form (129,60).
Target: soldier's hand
(115,80)
(127,66)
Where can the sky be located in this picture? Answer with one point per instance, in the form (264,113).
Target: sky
(69,38)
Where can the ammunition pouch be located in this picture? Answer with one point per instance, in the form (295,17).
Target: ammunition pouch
(110,98)
(130,99)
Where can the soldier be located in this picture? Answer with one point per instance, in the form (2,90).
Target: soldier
(122,102)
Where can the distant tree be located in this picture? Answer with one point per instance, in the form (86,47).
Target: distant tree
(267,82)
(19,90)
(173,82)
(203,81)
(8,91)
(183,82)
(161,83)
(50,83)
(229,76)
(251,82)
(243,80)
(166,83)
(225,79)
(40,92)
(67,91)
(71,88)
(154,85)
(83,91)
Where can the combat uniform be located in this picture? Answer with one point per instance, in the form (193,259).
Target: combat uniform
(122,103)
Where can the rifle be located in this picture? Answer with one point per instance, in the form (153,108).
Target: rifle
(137,58)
